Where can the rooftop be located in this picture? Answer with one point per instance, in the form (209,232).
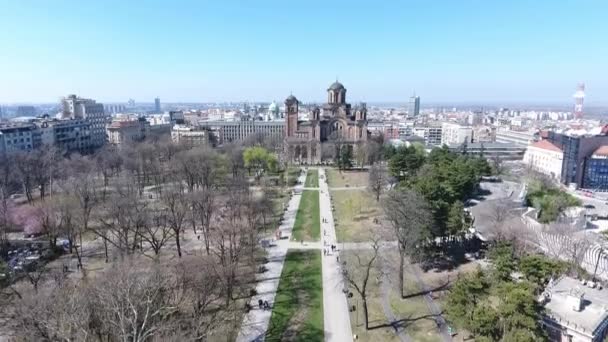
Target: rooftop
(560,305)
(546,145)
(336,86)
(291,99)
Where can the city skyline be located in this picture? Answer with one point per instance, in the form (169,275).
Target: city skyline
(474,52)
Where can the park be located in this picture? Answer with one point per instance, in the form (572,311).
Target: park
(281,252)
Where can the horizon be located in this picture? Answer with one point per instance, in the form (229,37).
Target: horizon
(190,52)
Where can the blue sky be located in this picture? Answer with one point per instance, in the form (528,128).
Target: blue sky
(532,51)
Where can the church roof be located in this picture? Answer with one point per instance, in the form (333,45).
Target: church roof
(336,86)
(291,99)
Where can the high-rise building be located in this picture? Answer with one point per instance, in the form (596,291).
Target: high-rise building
(583,156)
(413,107)
(80,108)
(157,105)
(579,97)
(26,111)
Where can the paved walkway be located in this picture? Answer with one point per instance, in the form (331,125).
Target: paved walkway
(432,306)
(335,306)
(385,288)
(255,323)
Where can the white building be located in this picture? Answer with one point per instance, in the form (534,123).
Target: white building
(80,108)
(453,134)
(121,132)
(189,136)
(430,134)
(546,158)
(575,311)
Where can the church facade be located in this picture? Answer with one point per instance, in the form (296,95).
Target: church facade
(330,128)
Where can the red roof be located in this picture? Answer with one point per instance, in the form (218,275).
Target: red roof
(601,151)
(546,145)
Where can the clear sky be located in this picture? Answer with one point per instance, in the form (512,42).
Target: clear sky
(532,51)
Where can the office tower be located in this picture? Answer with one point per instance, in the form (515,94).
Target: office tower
(80,108)
(413,108)
(579,97)
(26,111)
(157,105)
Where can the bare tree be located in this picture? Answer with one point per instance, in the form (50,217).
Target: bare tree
(122,217)
(49,221)
(81,185)
(410,218)
(203,208)
(378,180)
(177,209)
(374,152)
(201,298)
(136,304)
(361,154)
(156,230)
(67,208)
(357,271)
(498,165)
(564,241)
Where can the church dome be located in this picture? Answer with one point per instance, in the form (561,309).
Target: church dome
(273,108)
(336,86)
(291,99)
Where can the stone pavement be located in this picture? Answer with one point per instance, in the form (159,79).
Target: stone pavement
(255,323)
(335,306)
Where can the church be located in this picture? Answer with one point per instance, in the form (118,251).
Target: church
(328,129)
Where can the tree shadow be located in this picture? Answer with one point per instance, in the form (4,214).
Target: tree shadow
(404,322)
(441,287)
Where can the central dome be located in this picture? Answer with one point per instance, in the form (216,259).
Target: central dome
(336,86)
(291,99)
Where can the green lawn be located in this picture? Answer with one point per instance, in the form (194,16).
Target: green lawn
(297,313)
(312,178)
(355,211)
(351,178)
(307,225)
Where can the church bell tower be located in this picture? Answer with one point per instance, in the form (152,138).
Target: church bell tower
(291,109)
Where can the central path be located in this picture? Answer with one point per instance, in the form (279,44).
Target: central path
(255,323)
(335,306)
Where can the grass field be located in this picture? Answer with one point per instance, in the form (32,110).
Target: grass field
(354,213)
(297,313)
(307,225)
(312,178)
(337,179)
(414,312)
(374,304)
